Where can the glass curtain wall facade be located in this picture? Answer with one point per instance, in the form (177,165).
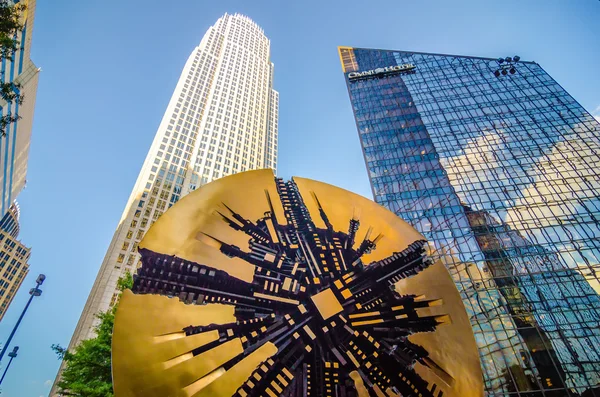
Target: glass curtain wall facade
(499,171)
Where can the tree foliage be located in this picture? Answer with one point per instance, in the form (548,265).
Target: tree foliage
(5,120)
(88,368)
(10,26)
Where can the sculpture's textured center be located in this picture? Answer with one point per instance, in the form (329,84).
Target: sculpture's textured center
(326,303)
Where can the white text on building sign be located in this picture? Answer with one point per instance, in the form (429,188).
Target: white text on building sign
(390,69)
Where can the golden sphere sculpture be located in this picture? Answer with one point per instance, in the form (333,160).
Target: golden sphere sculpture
(254,286)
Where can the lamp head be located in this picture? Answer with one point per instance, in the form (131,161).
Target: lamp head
(13,353)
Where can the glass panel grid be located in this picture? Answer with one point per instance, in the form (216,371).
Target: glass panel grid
(500,174)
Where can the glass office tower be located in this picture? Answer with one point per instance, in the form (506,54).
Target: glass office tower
(496,164)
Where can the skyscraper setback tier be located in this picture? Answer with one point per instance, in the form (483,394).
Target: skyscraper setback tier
(221,119)
(496,164)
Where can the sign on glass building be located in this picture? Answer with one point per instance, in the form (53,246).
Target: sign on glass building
(496,165)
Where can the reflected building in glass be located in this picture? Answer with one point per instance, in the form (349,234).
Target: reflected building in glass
(496,164)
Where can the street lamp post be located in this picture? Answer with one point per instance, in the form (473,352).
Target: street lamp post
(33,292)
(12,355)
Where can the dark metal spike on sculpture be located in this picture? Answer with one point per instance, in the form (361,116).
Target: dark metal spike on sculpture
(246,226)
(367,245)
(304,314)
(353,226)
(216,240)
(322,213)
(377,238)
(231,222)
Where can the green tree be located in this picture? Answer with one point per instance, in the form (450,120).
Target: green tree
(10,26)
(87,369)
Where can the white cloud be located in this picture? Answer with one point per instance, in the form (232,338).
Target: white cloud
(596,113)
(48,383)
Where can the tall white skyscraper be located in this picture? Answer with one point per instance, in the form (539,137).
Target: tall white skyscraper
(222,119)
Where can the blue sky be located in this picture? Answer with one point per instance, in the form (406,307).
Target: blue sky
(109,68)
